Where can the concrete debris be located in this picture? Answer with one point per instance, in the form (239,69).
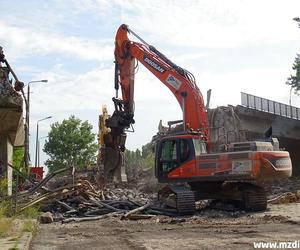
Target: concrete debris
(67,199)
(84,201)
(8,96)
(277,218)
(283,191)
(46,218)
(288,197)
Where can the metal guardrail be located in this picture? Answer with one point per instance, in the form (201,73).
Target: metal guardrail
(266,105)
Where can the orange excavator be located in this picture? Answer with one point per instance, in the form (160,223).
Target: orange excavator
(183,156)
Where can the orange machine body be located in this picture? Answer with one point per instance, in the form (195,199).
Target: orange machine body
(184,156)
(228,166)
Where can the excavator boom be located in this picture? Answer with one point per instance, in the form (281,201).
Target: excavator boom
(178,80)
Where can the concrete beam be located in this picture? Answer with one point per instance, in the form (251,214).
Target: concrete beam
(11,124)
(259,121)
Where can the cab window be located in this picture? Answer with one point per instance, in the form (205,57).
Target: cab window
(168,151)
(200,147)
(168,157)
(184,150)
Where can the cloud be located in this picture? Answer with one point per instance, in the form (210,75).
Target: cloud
(22,42)
(213,24)
(84,94)
(215,40)
(263,82)
(66,92)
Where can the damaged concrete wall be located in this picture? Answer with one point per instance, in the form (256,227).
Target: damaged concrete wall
(225,126)
(8,96)
(11,108)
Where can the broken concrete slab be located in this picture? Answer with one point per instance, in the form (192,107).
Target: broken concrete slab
(11,108)
(238,123)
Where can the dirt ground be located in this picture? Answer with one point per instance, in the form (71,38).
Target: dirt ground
(207,230)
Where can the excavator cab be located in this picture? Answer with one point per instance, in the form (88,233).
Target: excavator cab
(177,151)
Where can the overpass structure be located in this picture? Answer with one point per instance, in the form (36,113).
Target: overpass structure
(251,120)
(11,121)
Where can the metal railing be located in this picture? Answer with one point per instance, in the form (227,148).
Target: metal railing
(266,105)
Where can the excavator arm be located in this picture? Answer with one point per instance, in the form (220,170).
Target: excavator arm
(180,82)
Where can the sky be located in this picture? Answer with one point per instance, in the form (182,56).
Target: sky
(230,47)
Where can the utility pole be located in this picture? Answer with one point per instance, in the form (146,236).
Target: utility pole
(37,139)
(27,122)
(26,150)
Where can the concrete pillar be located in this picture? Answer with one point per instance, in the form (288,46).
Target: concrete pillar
(6,156)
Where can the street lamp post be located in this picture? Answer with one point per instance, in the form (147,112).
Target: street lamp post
(43,137)
(27,107)
(290,101)
(37,138)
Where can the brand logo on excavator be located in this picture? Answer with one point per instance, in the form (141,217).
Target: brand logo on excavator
(174,82)
(154,65)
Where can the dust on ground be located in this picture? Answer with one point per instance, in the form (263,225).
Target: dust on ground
(209,229)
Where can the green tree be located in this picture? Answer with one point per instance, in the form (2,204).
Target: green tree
(70,143)
(138,160)
(18,155)
(294,80)
(148,156)
(147,149)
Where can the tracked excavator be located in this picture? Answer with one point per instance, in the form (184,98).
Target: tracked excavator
(183,156)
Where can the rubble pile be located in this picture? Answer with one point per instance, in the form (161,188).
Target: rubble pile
(106,200)
(288,197)
(283,191)
(281,186)
(83,200)
(68,199)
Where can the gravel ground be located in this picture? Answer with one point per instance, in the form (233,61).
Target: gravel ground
(210,229)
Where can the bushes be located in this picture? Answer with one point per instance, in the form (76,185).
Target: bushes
(5,226)
(7,205)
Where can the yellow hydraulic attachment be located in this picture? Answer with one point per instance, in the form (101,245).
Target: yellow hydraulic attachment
(110,160)
(103,130)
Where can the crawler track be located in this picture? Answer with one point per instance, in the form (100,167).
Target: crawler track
(181,198)
(254,198)
(247,196)
(185,202)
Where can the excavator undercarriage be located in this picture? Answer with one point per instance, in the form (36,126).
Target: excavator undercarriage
(242,195)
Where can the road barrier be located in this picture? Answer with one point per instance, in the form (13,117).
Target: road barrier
(266,105)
